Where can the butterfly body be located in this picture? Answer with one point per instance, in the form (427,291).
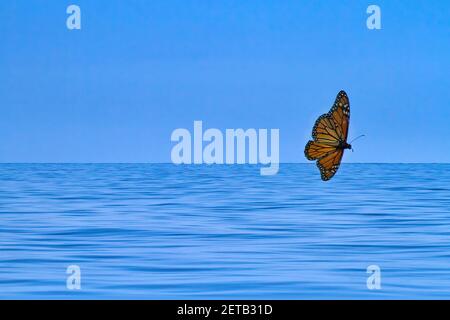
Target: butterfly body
(343,145)
(330,137)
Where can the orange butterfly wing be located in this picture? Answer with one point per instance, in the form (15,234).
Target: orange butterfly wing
(329,132)
(329,164)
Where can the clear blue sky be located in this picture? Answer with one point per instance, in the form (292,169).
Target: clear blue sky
(115,90)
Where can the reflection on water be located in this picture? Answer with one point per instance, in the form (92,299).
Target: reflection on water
(165,231)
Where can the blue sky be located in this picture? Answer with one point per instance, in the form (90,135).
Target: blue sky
(116,89)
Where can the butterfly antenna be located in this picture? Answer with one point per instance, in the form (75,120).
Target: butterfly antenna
(363,135)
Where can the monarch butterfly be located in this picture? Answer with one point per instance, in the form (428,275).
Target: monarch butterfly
(330,137)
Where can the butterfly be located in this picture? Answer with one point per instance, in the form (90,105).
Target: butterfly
(330,137)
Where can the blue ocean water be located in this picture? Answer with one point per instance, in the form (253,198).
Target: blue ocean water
(159,231)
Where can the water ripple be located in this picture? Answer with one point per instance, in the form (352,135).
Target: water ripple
(165,231)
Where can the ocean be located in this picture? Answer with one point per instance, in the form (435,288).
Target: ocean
(161,231)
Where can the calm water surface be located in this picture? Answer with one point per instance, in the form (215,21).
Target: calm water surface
(164,231)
